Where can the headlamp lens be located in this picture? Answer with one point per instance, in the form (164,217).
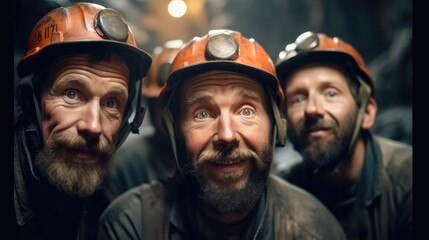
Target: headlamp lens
(222,47)
(111,24)
(307,41)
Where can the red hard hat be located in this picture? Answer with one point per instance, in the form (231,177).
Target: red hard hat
(311,47)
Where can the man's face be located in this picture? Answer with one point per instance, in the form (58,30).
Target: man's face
(321,113)
(226,128)
(83,108)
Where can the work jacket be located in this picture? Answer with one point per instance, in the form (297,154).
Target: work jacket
(40,211)
(381,204)
(167,210)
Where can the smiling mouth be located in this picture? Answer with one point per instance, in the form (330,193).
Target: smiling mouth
(317,132)
(229,162)
(82,154)
(228,166)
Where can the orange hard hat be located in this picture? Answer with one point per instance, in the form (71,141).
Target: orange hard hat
(318,47)
(79,27)
(162,57)
(224,49)
(312,47)
(81,24)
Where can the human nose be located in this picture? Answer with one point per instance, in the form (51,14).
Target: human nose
(89,124)
(313,107)
(226,132)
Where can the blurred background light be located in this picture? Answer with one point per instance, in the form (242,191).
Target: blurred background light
(177,8)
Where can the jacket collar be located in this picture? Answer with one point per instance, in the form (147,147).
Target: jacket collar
(26,183)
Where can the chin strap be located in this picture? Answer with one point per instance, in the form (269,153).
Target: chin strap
(33,131)
(140,112)
(280,123)
(134,126)
(168,124)
(364,95)
(363,98)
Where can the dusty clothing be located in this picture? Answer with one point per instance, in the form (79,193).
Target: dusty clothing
(166,210)
(136,162)
(380,206)
(41,212)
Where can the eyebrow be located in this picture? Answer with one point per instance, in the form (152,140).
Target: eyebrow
(205,96)
(250,94)
(119,92)
(79,83)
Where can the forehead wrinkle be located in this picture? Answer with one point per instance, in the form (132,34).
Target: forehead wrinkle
(199,96)
(206,95)
(113,66)
(202,88)
(119,92)
(249,94)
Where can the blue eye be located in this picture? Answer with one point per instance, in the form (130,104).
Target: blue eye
(247,112)
(299,99)
(332,94)
(202,115)
(71,94)
(111,104)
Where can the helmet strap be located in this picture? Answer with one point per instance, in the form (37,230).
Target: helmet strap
(168,121)
(279,131)
(140,112)
(32,130)
(280,124)
(363,98)
(134,126)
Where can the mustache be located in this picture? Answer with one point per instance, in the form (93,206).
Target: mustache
(97,146)
(313,124)
(220,157)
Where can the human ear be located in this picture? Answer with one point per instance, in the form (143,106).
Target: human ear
(370,114)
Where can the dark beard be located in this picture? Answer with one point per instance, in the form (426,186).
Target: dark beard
(231,201)
(320,153)
(74,177)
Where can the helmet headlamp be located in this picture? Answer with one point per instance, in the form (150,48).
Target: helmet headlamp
(110,24)
(222,47)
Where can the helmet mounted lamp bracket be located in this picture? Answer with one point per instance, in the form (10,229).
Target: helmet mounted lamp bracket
(111,24)
(222,47)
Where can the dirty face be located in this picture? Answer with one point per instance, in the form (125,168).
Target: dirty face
(83,107)
(226,130)
(321,113)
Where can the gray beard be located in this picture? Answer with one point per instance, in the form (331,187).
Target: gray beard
(75,178)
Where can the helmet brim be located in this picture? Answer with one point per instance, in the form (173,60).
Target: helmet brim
(189,71)
(137,57)
(285,68)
